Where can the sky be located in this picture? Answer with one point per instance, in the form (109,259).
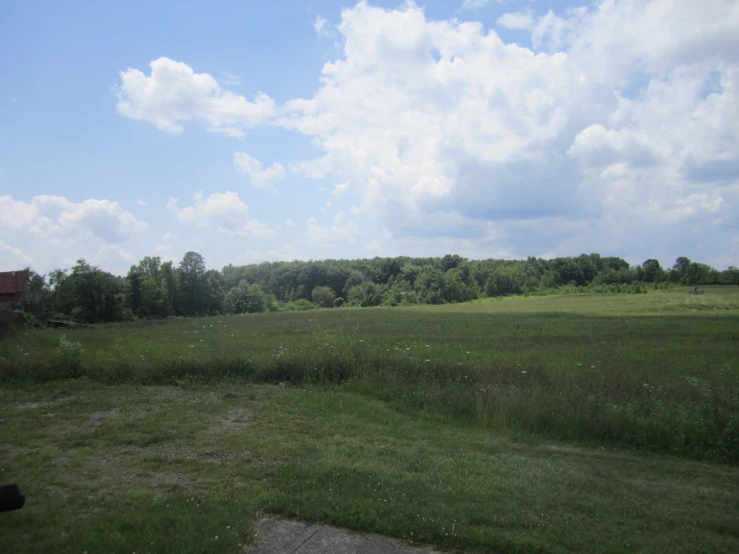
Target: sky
(251,130)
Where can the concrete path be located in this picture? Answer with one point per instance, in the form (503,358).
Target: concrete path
(279,536)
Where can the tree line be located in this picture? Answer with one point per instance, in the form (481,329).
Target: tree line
(156,289)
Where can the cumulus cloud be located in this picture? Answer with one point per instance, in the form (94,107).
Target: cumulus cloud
(260,177)
(289,222)
(621,114)
(440,121)
(142,203)
(173,93)
(108,252)
(340,189)
(341,232)
(52,230)
(373,245)
(56,219)
(612,38)
(519,21)
(224,211)
(475,5)
(323,27)
(13,257)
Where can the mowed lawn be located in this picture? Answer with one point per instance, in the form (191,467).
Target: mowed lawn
(110,463)
(172,469)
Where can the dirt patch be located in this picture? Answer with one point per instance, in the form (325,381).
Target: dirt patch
(234,420)
(96,417)
(58,399)
(274,535)
(116,464)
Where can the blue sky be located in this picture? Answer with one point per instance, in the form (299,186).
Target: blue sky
(279,130)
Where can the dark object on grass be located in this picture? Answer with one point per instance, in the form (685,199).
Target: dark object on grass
(11,498)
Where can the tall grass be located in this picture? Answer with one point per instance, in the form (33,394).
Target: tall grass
(637,377)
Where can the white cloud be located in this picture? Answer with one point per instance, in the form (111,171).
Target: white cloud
(475,5)
(169,237)
(289,222)
(341,232)
(56,219)
(259,177)
(596,145)
(372,246)
(611,38)
(231,132)
(52,230)
(323,28)
(173,93)
(523,21)
(439,125)
(13,257)
(223,210)
(163,248)
(287,253)
(230,79)
(109,252)
(142,203)
(340,189)
(620,116)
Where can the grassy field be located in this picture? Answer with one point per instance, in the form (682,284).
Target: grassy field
(599,424)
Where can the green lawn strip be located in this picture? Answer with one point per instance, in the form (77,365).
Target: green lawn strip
(169,469)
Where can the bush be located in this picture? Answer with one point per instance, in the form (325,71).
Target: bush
(70,356)
(301,305)
(324,296)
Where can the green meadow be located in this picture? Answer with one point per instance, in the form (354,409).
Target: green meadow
(599,423)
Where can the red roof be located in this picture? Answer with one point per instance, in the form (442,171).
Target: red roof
(13,282)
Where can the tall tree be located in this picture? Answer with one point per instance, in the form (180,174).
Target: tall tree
(193,285)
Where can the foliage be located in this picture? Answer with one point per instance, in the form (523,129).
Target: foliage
(69,357)
(153,289)
(245,299)
(324,297)
(301,305)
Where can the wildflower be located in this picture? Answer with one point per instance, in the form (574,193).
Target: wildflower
(428,360)
(523,372)
(427,346)
(592,367)
(467,352)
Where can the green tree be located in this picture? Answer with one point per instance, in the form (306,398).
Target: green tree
(323,296)
(88,294)
(652,271)
(193,286)
(245,298)
(503,281)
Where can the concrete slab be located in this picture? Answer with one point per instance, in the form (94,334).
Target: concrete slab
(281,536)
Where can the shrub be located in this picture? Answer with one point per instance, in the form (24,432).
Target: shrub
(70,356)
(301,305)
